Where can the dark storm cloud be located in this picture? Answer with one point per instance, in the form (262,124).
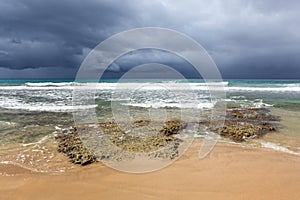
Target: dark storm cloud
(257,39)
(247,39)
(37,33)
(151,56)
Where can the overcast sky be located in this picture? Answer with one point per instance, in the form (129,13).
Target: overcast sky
(246,39)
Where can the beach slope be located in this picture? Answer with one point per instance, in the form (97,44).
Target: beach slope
(229,172)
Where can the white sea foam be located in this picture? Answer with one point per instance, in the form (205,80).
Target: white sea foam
(56,97)
(258,103)
(42,140)
(5,125)
(19,104)
(203,105)
(50,108)
(277,147)
(47,84)
(109,86)
(153,86)
(289,85)
(266,89)
(245,103)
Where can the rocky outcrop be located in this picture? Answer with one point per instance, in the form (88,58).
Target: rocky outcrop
(118,144)
(157,139)
(148,142)
(250,114)
(240,131)
(246,123)
(172,128)
(70,144)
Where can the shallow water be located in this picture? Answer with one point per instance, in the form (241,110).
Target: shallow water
(287,138)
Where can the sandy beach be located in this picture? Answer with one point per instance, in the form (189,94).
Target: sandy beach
(113,100)
(229,172)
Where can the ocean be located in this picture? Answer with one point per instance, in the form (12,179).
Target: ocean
(32,111)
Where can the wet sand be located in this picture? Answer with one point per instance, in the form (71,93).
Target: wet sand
(229,172)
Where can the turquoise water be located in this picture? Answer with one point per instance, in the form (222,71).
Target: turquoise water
(279,93)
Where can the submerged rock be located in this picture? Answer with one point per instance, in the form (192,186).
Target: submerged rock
(145,140)
(251,113)
(142,122)
(240,131)
(246,123)
(114,143)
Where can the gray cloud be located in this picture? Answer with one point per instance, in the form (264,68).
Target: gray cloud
(246,38)
(154,58)
(55,33)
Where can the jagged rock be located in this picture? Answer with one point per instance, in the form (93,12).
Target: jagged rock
(172,128)
(132,142)
(70,144)
(160,142)
(245,123)
(155,143)
(142,122)
(251,113)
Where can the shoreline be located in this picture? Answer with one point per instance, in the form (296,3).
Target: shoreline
(228,172)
